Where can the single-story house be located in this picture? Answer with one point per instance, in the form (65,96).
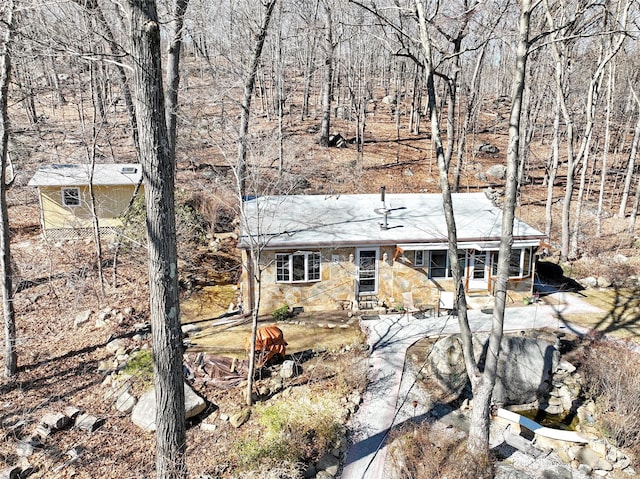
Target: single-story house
(65,200)
(321,252)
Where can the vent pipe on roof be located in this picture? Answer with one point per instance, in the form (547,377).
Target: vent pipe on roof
(385,211)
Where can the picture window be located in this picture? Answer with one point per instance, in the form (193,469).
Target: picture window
(299,267)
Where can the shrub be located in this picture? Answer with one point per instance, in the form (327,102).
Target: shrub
(141,366)
(215,209)
(353,370)
(612,380)
(191,226)
(423,452)
(282,313)
(291,431)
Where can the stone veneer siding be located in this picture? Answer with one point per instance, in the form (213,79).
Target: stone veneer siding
(336,289)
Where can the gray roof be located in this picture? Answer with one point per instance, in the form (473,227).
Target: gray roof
(415,221)
(78,175)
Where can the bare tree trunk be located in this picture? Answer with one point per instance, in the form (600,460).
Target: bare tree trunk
(242,158)
(25,83)
(10,355)
(158,167)
(327,87)
(255,277)
(55,82)
(634,212)
(631,162)
(116,49)
(173,72)
(553,167)
(605,154)
(474,91)
(280,93)
(308,77)
(94,212)
(478,441)
(452,86)
(96,91)
(574,249)
(443,168)
(414,113)
(246,99)
(607,54)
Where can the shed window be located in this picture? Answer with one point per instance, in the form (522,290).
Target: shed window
(299,267)
(71,196)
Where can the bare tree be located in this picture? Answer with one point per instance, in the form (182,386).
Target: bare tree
(91,148)
(470,108)
(11,358)
(482,383)
(327,84)
(635,144)
(607,146)
(247,96)
(310,57)
(561,22)
(552,166)
(242,160)
(443,168)
(158,166)
(173,71)
(478,442)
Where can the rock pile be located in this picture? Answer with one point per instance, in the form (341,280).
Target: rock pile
(565,389)
(594,458)
(597,457)
(531,375)
(39,439)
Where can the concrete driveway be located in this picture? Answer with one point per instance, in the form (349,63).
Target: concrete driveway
(389,337)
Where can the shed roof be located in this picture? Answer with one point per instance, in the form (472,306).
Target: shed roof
(414,221)
(78,175)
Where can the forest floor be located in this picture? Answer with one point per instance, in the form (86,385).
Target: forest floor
(57,281)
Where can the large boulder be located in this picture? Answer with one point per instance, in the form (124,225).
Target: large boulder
(144,412)
(447,364)
(525,367)
(488,148)
(497,171)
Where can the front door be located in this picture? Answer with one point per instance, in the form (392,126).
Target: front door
(367,261)
(478,270)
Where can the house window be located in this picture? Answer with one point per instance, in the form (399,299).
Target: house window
(526,263)
(299,267)
(71,196)
(439,266)
(438,263)
(419,258)
(515,268)
(519,263)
